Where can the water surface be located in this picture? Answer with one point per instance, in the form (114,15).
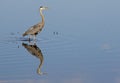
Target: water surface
(79,44)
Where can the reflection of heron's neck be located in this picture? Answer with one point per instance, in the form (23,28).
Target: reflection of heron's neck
(42,16)
(41,63)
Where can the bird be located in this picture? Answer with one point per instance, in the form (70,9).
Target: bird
(35,51)
(35,29)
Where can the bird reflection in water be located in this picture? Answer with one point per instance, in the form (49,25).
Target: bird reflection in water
(35,51)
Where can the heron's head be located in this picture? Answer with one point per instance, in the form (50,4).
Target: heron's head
(41,73)
(43,8)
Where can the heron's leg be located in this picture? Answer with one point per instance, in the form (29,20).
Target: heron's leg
(29,37)
(35,37)
(34,40)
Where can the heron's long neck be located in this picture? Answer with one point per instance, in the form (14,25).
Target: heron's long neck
(41,60)
(42,16)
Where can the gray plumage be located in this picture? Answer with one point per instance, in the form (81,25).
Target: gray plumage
(34,30)
(35,51)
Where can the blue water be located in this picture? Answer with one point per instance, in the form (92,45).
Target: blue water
(79,44)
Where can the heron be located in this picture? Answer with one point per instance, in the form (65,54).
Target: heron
(35,29)
(35,51)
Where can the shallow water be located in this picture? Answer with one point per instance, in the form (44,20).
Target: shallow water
(79,44)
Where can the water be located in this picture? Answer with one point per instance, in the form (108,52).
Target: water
(79,43)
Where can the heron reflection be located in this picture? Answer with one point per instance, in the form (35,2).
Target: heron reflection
(35,51)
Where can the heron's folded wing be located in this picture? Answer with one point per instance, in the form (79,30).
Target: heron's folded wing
(32,28)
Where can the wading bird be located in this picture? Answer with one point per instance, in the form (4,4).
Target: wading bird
(35,51)
(34,30)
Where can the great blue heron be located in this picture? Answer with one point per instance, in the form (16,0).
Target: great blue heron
(35,51)
(35,29)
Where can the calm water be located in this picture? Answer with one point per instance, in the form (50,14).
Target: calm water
(79,44)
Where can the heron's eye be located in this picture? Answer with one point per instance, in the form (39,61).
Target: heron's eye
(41,6)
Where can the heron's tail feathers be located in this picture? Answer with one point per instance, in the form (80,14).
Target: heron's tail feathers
(24,34)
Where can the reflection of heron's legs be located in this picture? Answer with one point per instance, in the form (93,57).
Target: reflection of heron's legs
(32,42)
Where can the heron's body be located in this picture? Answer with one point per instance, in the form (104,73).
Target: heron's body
(34,30)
